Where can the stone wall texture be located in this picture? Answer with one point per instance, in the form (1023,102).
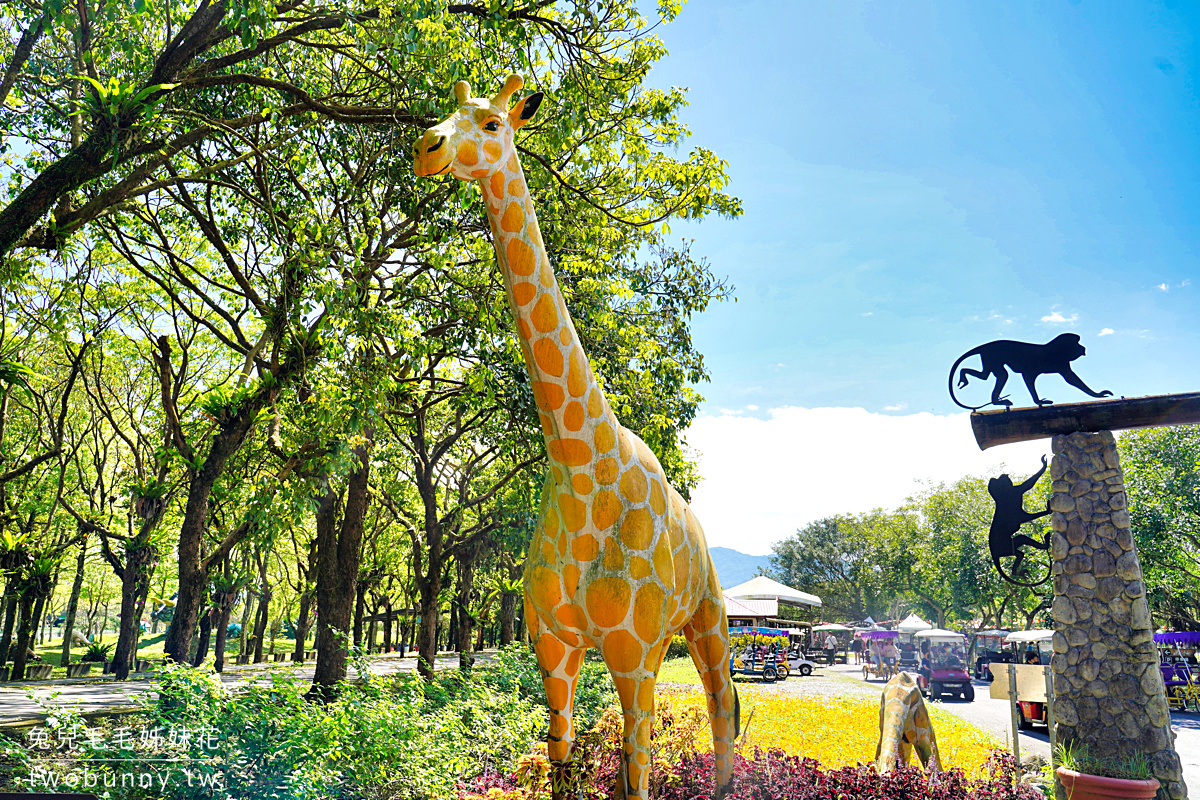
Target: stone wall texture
(1109,692)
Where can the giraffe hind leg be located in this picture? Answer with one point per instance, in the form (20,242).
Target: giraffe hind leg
(707,634)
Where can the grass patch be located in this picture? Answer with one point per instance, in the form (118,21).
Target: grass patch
(679,670)
(835,731)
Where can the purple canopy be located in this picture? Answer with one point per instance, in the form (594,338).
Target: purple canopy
(1178,637)
(877,634)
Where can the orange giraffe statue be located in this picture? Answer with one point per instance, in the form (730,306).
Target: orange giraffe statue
(904,724)
(618,561)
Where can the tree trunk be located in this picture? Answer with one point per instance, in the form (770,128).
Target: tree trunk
(140,558)
(10,618)
(72,605)
(39,613)
(224,610)
(338,555)
(387,625)
(465,567)
(260,625)
(508,613)
(24,635)
(360,606)
(206,621)
(247,633)
(427,630)
(301,628)
(193,569)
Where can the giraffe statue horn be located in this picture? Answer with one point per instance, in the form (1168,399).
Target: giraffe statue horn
(512,85)
(462,91)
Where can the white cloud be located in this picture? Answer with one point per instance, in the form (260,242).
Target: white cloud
(868,313)
(1162,287)
(897,407)
(1056,317)
(764,478)
(1186,282)
(1106,332)
(752,408)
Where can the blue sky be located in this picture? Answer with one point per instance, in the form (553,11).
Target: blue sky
(920,178)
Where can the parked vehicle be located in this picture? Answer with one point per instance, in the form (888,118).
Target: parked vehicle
(798,663)
(989,647)
(751,664)
(943,669)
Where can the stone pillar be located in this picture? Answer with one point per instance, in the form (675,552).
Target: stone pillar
(1109,692)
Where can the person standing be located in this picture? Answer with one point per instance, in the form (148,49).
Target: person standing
(831,644)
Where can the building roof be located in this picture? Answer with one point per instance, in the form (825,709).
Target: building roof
(763,588)
(754,609)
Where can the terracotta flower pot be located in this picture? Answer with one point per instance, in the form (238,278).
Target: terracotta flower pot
(1080,786)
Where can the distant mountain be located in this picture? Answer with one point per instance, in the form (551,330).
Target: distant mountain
(734,567)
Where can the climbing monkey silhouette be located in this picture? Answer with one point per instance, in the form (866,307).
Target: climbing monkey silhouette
(1003,539)
(1030,360)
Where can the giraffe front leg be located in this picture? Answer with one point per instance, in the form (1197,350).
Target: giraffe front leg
(560,664)
(633,782)
(707,635)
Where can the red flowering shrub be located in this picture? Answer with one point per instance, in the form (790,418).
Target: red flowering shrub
(774,775)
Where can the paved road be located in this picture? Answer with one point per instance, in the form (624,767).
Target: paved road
(18,701)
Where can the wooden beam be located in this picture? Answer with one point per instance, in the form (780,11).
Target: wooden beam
(1024,424)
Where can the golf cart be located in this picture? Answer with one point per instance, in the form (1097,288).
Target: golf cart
(943,668)
(989,647)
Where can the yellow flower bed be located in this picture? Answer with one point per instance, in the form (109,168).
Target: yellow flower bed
(835,731)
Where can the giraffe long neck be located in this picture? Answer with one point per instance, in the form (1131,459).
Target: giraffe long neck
(576,420)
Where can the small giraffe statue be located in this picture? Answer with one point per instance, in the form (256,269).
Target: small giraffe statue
(904,724)
(618,561)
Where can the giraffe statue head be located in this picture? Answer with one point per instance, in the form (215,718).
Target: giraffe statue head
(477,139)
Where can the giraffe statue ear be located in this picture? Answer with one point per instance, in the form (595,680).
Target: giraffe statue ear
(523,112)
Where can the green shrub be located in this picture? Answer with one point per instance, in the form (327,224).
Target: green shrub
(678,648)
(96,652)
(515,668)
(393,739)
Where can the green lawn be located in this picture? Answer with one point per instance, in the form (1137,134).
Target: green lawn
(679,670)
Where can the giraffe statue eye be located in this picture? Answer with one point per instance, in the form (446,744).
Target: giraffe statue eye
(492,126)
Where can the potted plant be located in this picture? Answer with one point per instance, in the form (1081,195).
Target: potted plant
(1087,777)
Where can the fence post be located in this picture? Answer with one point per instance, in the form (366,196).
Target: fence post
(1016,722)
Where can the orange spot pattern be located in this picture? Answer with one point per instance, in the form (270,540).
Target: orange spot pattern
(571,452)
(606,509)
(544,316)
(523,292)
(573,417)
(580,482)
(574,512)
(520,258)
(468,155)
(513,219)
(608,603)
(548,357)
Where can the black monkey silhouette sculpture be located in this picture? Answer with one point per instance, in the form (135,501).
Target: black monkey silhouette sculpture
(1003,539)
(1031,360)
